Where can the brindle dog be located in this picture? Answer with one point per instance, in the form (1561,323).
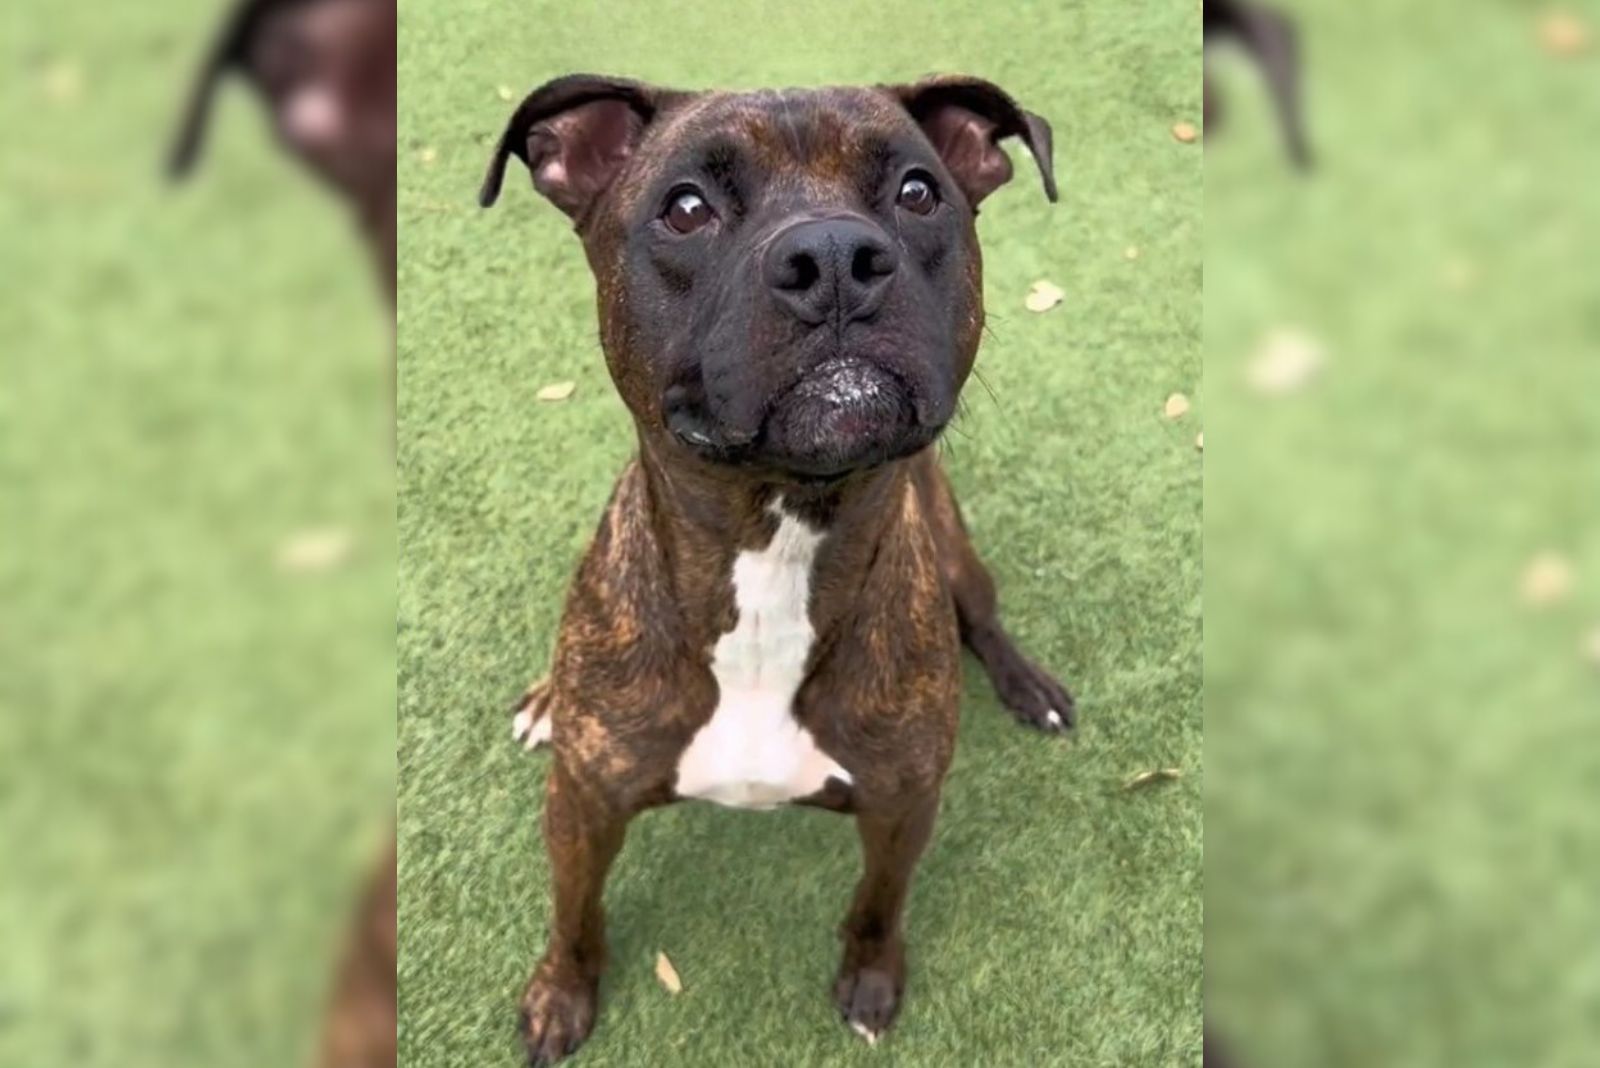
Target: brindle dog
(773,607)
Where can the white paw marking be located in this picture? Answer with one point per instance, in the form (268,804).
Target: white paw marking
(1054,718)
(540,734)
(865,1032)
(753,753)
(530,732)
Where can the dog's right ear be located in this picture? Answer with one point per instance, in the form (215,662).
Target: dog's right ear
(574,134)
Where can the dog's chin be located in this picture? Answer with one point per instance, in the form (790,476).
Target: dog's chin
(845,415)
(841,417)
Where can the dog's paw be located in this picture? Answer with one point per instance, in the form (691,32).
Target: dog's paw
(530,716)
(868,999)
(1034,696)
(556,1017)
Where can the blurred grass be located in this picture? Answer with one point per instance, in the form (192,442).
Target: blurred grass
(194,745)
(1056,919)
(1403,755)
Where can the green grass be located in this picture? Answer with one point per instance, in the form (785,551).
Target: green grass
(1056,918)
(194,747)
(1402,755)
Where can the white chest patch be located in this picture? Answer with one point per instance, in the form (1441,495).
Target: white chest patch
(753,753)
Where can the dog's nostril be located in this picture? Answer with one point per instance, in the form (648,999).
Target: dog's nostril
(870,263)
(830,268)
(800,272)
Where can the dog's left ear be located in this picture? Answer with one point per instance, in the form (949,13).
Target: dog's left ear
(227,48)
(966,119)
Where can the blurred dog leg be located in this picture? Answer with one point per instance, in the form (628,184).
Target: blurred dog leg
(360,1031)
(1213,1055)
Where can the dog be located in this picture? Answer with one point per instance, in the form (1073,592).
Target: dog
(1270,39)
(772,610)
(325,71)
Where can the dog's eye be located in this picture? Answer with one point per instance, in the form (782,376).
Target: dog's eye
(687,212)
(917,195)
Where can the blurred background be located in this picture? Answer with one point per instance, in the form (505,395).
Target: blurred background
(1403,543)
(197,566)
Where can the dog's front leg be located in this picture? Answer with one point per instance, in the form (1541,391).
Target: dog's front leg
(583,833)
(872,974)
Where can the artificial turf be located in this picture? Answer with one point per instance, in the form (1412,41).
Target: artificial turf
(195,743)
(1057,917)
(1402,746)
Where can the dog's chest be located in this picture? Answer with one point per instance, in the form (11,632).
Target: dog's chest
(753,753)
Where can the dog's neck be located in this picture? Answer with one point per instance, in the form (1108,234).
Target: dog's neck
(703,517)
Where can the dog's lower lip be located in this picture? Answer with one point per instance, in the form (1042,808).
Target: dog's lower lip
(846,377)
(848,398)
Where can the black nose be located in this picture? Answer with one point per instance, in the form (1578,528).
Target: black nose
(831,267)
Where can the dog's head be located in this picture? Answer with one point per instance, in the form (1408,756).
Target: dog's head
(788,281)
(325,70)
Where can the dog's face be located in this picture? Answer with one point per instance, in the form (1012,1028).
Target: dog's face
(325,71)
(789,282)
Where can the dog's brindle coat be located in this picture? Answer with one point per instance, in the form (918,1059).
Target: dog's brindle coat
(790,329)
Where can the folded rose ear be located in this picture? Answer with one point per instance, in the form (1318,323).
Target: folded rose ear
(574,134)
(965,119)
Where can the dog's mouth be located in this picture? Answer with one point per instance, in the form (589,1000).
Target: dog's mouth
(845,414)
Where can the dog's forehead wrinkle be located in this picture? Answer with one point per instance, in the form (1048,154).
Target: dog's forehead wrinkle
(831,123)
(793,128)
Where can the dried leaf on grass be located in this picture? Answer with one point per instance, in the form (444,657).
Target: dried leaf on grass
(1177,406)
(1200,441)
(63,81)
(1563,34)
(504,93)
(1546,580)
(668,975)
(1185,132)
(1043,295)
(317,549)
(1145,778)
(556,391)
(1285,362)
